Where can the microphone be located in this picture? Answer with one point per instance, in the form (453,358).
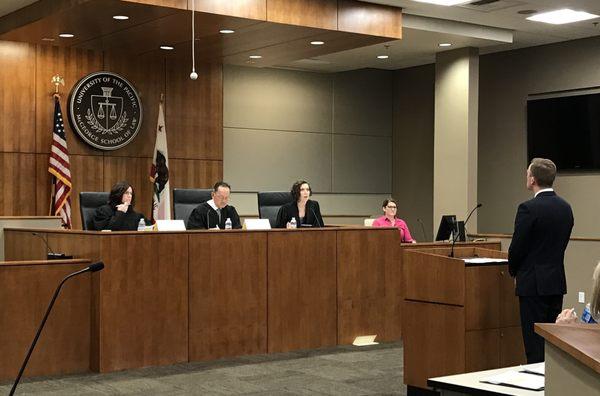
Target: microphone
(92,268)
(457,231)
(50,254)
(423,229)
(316,218)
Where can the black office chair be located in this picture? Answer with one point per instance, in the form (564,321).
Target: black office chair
(88,203)
(185,201)
(269,203)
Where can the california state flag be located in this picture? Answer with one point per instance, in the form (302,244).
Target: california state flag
(159,172)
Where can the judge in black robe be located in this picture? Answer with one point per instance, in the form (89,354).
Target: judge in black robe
(215,212)
(312,212)
(118,214)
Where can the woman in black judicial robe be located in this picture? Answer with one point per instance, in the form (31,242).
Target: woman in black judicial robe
(306,211)
(118,213)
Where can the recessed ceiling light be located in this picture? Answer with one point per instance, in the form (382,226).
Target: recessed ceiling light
(382,56)
(562,16)
(255,57)
(166,47)
(445,44)
(120,17)
(444,2)
(66,35)
(226,31)
(527,12)
(47,39)
(317,42)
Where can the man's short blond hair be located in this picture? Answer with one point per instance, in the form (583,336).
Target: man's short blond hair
(543,171)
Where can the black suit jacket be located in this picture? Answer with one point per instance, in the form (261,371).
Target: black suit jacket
(536,255)
(205,217)
(312,214)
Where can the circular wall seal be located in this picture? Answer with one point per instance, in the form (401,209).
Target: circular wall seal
(105,110)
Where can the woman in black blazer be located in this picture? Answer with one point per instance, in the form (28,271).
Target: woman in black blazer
(306,212)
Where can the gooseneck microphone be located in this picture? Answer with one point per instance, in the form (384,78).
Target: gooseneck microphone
(457,231)
(316,218)
(48,249)
(423,229)
(92,268)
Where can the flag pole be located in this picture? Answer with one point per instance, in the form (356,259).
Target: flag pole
(57,80)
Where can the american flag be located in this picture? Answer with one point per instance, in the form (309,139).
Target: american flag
(60,169)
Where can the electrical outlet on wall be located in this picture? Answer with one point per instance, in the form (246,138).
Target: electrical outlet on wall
(581,297)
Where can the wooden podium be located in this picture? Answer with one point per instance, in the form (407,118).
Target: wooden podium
(458,317)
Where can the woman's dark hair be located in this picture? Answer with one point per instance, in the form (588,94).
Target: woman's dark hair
(296,189)
(387,201)
(116,194)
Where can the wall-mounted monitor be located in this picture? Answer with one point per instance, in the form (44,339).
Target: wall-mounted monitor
(565,129)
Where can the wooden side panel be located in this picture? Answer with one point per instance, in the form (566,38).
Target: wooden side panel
(72,65)
(143,307)
(64,345)
(252,9)
(369,285)
(482,297)
(17,178)
(509,302)
(228,298)
(194,112)
(23,245)
(512,349)
(194,173)
(434,341)
(372,19)
(17,101)
(302,309)
(482,350)
(321,14)
(435,278)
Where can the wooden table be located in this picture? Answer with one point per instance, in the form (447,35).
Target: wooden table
(169,297)
(572,353)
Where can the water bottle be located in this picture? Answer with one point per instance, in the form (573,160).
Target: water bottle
(293,223)
(141,225)
(586,316)
(228,224)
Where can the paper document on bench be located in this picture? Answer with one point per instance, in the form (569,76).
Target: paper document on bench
(516,379)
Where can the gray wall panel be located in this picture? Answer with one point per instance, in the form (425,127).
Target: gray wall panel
(363,102)
(272,160)
(276,99)
(362,164)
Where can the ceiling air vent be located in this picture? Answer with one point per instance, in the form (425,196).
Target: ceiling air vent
(491,5)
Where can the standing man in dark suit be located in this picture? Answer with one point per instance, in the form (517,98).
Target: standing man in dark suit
(536,255)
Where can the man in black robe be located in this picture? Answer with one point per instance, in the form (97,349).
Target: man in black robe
(214,213)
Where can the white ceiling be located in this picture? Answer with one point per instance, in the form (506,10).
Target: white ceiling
(427,25)
(420,44)
(8,6)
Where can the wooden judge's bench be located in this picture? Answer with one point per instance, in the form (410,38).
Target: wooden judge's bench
(171,297)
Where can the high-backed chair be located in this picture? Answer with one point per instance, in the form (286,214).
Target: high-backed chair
(269,203)
(89,201)
(185,201)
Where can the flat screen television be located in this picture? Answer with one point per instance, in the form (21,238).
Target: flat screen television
(565,129)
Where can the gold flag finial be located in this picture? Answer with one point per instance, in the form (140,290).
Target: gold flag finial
(57,80)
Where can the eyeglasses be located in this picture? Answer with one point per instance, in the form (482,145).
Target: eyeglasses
(391,207)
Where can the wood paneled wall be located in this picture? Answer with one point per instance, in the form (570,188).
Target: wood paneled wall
(193,120)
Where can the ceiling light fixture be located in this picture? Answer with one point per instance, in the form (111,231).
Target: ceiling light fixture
(166,47)
(562,16)
(47,39)
(66,35)
(255,57)
(444,44)
(193,74)
(227,31)
(317,42)
(444,2)
(120,17)
(382,56)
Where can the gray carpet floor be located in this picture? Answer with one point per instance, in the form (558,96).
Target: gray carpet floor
(347,370)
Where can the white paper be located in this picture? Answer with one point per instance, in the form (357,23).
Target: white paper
(517,379)
(483,260)
(538,368)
